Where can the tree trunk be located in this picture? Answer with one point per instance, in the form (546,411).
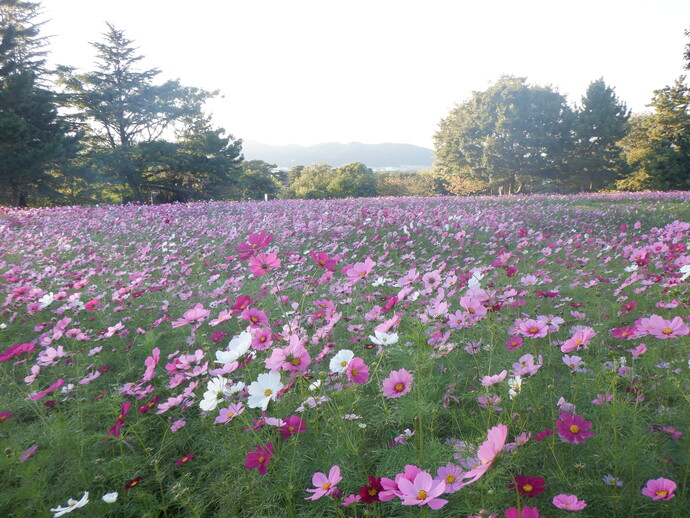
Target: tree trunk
(135,188)
(18,196)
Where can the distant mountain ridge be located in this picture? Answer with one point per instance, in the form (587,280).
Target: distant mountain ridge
(378,156)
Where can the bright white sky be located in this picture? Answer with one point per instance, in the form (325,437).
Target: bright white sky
(373,71)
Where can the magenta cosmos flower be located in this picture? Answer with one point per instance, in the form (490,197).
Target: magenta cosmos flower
(357,371)
(568,502)
(397,384)
(530,486)
(259,458)
(324,485)
(573,428)
(423,490)
(525,512)
(261,264)
(659,489)
(254,244)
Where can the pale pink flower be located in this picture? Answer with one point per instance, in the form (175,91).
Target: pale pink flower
(423,490)
(359,271)
(324,485)
(487,381)
(487,452)
(659,489)
(261,264)
(397,384)
(568,502)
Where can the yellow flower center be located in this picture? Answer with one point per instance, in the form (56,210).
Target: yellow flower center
(372,492)
(268,392)
(355,372)
(662,492)
(343,363)
(450,479)
(291,428)
(254,319)
(261,460)
(667,330)
(574,428)
(527,488)
(326,486)
(421,495)
(399,387)
(296,362)
(533,330)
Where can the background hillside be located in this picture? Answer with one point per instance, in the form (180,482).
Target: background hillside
(379,156)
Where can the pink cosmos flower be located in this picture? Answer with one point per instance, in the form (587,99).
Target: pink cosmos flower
(256,317)
(532,328)
(261,264)
(28,453)
(323,261)
(579,340)
(259,458)
(228,414)
(255,243)
(568,502)
(487,452)
(357,371)
(16,350)
(487,381)
(423,490)
(294,357)
(351,500)
(659,489)
(638,351)
(390,488)
(184,460)
(525,512)
(151,363)
(43,393)
(359,271)
(513,343)
(194,315)
(5,415)
(292,425)
(573,428)
(397,384)
(452,476)
(662,328)
(324,485)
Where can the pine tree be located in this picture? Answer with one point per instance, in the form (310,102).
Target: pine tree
(128,117)
(600,124)
(33,137)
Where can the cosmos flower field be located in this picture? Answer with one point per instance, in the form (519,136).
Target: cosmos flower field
(509,357)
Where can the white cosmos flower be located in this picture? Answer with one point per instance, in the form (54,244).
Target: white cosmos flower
(474,280)
(71,505)
(340,361)
(109,498)
(384,338)
(216,391)
(515,386)
(237,347)
(46,300)
(685,270)
(264,389)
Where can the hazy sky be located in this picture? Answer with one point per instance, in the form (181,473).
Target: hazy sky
(372,71)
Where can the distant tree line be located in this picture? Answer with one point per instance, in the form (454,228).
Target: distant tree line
(115,134)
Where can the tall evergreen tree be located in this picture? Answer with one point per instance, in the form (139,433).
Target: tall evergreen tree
(599,126)
(658,147)
(511,137)
(33,137)
(128,115)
